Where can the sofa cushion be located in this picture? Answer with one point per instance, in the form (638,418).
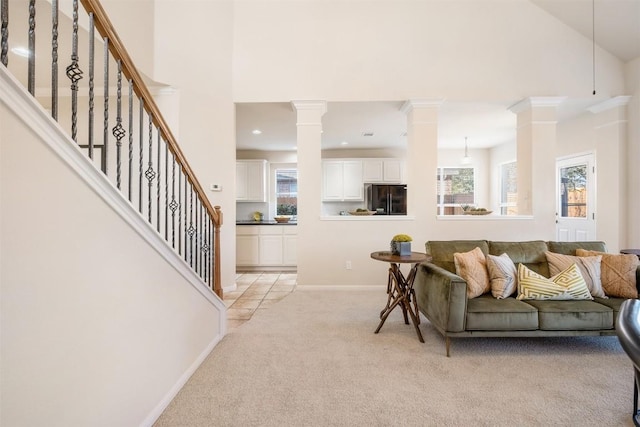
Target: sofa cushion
(568,285)
(530,254)
(618,273)
(569,248)
(573,315)
(589,268)
(442,251)
(472,267)
(502,276)
(486,313)
(613,303)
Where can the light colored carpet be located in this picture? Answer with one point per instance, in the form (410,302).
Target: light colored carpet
(313,360)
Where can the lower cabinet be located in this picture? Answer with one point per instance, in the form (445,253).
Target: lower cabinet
(266,246)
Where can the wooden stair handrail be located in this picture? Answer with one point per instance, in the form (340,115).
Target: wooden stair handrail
(116,47)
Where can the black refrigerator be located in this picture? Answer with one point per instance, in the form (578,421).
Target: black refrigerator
(387,199)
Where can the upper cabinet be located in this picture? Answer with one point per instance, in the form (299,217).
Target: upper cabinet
(383,170)
(251,181)
(342,180)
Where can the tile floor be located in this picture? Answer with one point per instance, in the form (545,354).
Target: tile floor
(256,291)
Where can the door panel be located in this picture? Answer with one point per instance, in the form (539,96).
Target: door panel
(575,199)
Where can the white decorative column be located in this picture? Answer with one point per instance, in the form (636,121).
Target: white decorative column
(309,133)
(610,128)
(536,148)
(422,161)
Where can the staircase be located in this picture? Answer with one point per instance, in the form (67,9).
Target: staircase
(109,249)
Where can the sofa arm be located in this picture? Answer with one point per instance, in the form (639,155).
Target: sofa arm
(442,297)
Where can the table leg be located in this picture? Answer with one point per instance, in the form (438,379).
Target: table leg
(400,291)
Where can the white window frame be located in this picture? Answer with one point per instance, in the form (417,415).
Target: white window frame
(439,181)
(503,203)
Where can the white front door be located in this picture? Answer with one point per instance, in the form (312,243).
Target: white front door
(575,199)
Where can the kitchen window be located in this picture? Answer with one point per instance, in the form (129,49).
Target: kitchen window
(509,188)
(456,188)
(287,191)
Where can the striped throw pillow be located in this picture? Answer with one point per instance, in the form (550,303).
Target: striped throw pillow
(568,285)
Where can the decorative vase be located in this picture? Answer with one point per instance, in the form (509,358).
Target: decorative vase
(400,248)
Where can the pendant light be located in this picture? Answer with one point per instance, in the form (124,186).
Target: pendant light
(466,159)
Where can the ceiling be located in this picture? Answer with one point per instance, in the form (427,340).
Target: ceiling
(345,124)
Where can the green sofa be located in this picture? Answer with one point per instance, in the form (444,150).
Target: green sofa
(442,296)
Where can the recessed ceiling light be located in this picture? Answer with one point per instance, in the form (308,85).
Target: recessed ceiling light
(21,51)
(256,131)
(344,143)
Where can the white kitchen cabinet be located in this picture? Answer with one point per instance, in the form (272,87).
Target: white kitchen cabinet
(247,252)
(270,244)
(266,245)
(290,246)
(342,180)
(383,171)
(251,180)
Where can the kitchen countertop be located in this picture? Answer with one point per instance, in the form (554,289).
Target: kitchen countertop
(273,222)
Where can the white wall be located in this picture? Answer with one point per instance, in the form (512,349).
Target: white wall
(193,53)
(96,327)
(632,73)
(402,49)
(350,51)
(278,51)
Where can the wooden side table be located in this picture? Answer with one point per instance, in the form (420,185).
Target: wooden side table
(400,288)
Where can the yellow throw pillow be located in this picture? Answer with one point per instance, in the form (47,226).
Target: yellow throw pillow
(502,276)
(589,268)
(618,273)
(568,285)
(472,267)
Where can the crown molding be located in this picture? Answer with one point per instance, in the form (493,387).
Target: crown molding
(309,106)
(536,101)
(618,101)
(411,104)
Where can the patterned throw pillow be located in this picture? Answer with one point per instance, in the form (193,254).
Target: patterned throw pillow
(502,275)
(589,268)
(472,267)
(618,273)
(568,285)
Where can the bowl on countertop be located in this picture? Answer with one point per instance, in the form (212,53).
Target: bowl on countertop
(281,219)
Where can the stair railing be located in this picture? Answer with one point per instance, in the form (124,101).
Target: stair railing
(136,150)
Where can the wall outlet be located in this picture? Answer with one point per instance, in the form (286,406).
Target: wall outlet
(348,265)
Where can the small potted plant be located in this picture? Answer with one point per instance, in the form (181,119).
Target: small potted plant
(401,244)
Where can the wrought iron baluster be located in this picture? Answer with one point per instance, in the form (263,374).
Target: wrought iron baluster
(166,192)
(173,205)
(74,73)
(207,250)
(159,182)
(180,204)
(196,247)
(92,57)
(141,155)
(4,31)
(130,176)
(203,248)
(150,174)
(212,252)
(190,230)
(31,67)
(105,146)
(118,130)
(54,59)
